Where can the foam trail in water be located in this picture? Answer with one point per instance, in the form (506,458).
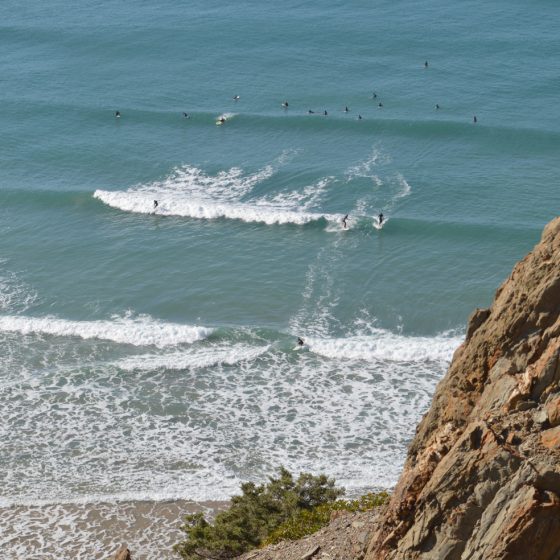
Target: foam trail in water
(14,294)
(138,331)
(383,345)
(193,359)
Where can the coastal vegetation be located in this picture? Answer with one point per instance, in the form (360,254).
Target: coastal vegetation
(285,508)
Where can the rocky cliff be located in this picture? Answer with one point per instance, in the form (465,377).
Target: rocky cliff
(482,476)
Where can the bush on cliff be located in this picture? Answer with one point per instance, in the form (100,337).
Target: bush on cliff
(309,521)
(284,508)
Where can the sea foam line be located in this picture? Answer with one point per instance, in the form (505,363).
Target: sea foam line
(176,205)
(386,346)
(193,359)
(139,331)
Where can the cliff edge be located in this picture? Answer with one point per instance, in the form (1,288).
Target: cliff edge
(482,475)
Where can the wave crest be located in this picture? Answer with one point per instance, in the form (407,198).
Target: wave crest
(139,331)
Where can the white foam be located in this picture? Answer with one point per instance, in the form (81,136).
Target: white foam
(193,358)
(226,116)
(15,295)
(386,346)
(189,192)
(366,168)
(179,205)
(138,331)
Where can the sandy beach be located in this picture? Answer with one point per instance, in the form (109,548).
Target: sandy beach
(95,530)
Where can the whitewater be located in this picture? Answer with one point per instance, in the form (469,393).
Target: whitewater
(148,353)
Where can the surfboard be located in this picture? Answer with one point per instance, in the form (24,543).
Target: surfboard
(218,123)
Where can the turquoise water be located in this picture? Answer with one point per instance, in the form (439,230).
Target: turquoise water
(151,353)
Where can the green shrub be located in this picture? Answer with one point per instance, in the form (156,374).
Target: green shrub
(309,521)
(254,515)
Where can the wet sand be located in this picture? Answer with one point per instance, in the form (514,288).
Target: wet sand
(95,531)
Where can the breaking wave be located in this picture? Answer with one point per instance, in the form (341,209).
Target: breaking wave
(139,331)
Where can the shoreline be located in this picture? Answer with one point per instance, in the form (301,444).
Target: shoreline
(96,530)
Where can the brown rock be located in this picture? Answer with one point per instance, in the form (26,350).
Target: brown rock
(123,553)
(551,438)
(553,411)
(481,480)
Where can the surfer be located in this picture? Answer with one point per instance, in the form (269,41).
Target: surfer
(186,115)
(155,204)
(285,104)
(346,109)
(380,218)
(374,95)
(380,106)
(222,119)
(359,117)
(437,106)
(325,113)
(236,97)
(300,341)
(344,221)
(310,112)
(475,120)
(426,64)
(117,114)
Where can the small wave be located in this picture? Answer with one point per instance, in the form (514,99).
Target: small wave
(193,359)
(227,116)
(189,192)
(176,205)
(138,331)
(386,346)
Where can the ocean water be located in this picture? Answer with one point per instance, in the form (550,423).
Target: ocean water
(151,354)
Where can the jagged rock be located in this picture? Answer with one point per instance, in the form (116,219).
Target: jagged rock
(476,319)
(122,553)
(311,552)
(482,477)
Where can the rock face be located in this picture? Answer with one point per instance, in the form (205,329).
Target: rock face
(482,476)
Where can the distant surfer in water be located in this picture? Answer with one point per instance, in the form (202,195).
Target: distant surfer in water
(474,119)
(222,120)
(380,105)
(380,218)
(285,104)
(437,106)
(117,114)
(311,112)
(426,64)
(325,113)
(359,117)
(346,110)
(155,204)
(300,341)
(374,96)
(236,97)
(344,221)
(186,115)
